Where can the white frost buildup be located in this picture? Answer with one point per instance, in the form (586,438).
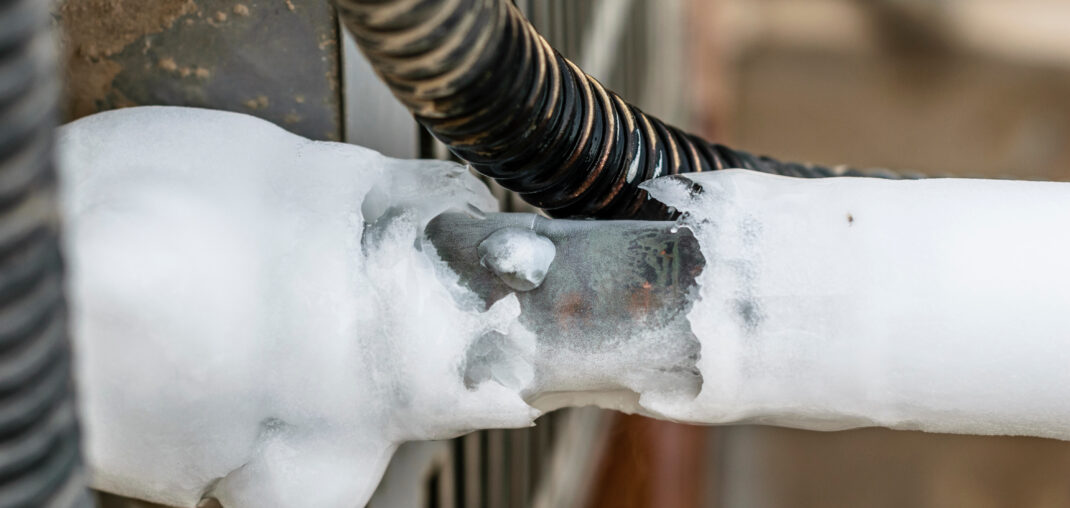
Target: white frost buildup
(251,317)
(520,257)
(941,305)
(258,318)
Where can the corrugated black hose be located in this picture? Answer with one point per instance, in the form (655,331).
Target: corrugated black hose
(40,462)
(479,77)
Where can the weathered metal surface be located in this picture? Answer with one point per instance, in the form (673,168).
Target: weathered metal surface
(608,281)
(275,59)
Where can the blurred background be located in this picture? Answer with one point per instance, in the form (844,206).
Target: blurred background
(945,87)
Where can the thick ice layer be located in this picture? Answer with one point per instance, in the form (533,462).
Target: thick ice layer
(253,320)
(520,257)
(941,305)
(257,317)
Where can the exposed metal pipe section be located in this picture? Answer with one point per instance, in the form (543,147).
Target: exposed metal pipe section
(40,462)
(477,75)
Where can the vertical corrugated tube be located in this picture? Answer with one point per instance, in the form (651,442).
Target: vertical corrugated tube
(40,461)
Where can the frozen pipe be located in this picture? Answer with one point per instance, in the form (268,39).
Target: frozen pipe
(263,319)
(941,305)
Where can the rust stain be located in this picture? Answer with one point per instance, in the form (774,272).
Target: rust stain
(94,85)
(193,52)
(642,301)
(572,310)
(101,28)
(168,64)
(95,30)
(258,102)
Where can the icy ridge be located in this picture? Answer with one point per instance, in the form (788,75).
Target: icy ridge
(254,320)
(257,317)
(938,305)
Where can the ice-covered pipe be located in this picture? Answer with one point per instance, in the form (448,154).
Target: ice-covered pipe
(263,319)
(941,305)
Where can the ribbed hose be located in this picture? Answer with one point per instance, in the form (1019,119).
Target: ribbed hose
(40,462)
(479,77)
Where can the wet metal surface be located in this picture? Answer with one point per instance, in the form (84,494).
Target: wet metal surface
(611,286)
(275,59)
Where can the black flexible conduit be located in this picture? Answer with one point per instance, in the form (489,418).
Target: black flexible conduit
(479,77)
(40,463)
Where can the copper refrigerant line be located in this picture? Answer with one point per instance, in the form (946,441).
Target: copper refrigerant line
(479,77)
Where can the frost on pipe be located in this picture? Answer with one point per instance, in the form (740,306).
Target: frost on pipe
(252,316)
(940,305)
(263,319)
(610,316)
